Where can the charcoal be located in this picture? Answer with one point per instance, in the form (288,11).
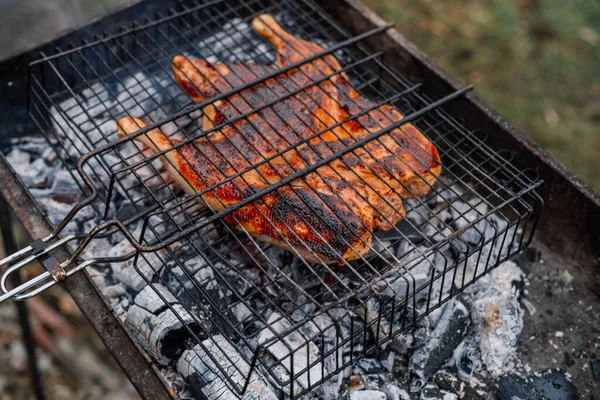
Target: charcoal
(393,392)
(294,344)
(463,362)
(323,331)
(367,395)
(158,328)
(497,314)
(235,43)
(387,361)
(125,272)
(373,381)
(547,386)
(372,311)
(235,278)
(202,368)
(432,392)
(330,389)
(150,300)
(596,370)
(217,320)
(366,366)
(299,314)
(118,309)
(433,230)
(241,312)
(176,275)
(113,291)
(447,334)
(60,198)
(419,272)
(420,333)
(35,174)
(411,338)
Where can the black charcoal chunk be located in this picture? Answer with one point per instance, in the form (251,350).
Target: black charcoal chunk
(549,386)
(446,335)
(529,256)
(596,370)
(432,392)
(463,362)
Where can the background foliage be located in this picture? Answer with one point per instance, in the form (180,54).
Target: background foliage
(536,61)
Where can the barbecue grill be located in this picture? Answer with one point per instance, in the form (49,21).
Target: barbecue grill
(276,321)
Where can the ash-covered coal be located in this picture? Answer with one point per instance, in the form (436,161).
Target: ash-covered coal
(445,337)
(216,297)
(191,284)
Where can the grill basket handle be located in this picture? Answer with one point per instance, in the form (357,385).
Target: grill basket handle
(39,251)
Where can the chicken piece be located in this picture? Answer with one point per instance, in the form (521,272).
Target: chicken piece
(405,153)
(312,224)
(277,129)
(330,214)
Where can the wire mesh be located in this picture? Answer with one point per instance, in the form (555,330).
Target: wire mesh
(300,316)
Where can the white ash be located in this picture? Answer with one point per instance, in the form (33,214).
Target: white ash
(394,392)
(34,173)
(464,362)
(295,351)
(113,291)
(367,395)
(154,298)
(155,331)
(499,317)
(203,374)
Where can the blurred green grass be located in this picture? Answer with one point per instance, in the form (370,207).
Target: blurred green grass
(535,61)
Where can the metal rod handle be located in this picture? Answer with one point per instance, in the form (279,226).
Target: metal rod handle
(43,281)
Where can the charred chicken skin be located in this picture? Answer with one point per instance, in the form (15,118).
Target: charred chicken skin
(330,214)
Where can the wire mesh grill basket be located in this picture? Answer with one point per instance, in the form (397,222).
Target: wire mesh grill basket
(292,316)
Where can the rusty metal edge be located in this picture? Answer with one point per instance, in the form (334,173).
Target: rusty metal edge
(570,204)
(140,370)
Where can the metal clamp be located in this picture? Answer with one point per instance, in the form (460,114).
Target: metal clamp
(39,251)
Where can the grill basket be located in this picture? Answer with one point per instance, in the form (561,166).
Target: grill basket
(257,310)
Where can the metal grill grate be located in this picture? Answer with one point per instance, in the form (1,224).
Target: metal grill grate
(479,212)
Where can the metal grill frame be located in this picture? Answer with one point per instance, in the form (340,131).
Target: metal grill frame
(430,107)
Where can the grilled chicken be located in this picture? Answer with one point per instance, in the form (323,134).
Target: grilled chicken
(318,226)
(405,153)
(330,214)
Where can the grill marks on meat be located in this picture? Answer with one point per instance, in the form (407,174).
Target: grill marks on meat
(410,158)
(294,218)
(277,128)
(328,215)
